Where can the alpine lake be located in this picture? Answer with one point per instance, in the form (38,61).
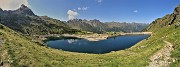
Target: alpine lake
(72,44)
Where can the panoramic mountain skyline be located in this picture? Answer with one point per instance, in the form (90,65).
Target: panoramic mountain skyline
(143,11)
(44,33)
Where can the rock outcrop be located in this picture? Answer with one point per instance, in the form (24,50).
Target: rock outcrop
(177,10)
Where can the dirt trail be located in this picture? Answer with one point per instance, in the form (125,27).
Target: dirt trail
(162,58)
(4,56)
(1,40)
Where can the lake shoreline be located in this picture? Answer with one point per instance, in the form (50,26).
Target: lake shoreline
(89,37)
(98,37)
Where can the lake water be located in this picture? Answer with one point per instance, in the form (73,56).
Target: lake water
(96,47)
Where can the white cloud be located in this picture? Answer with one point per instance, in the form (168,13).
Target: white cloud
(72,14)
(99,1)
(12,4)
(79,8)
(135,11)
(82,8)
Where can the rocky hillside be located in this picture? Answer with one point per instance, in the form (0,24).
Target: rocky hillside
(25,21)
(168,20)
(98,26)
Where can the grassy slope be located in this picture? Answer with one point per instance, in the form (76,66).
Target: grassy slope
(172,35)
(23,52)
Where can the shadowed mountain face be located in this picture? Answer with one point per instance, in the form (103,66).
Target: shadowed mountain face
(25,21)
(97,26)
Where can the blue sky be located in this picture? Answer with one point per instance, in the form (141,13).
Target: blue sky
(143,11)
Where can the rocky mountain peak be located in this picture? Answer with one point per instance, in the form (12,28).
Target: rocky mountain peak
(23,6)
(177,10)
(24,10)
(95,20)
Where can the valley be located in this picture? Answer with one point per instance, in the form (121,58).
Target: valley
(24,37)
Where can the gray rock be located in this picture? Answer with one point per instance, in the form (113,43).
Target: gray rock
(24,10)
(177,10)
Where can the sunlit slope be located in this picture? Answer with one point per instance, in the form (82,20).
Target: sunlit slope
(168,28)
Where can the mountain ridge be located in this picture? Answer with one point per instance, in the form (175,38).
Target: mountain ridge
(98,26)
(167,20)
(25,21)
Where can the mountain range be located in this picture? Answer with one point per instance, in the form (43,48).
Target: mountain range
(25,21)
(99,27)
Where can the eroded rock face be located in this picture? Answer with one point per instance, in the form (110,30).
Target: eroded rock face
(177,10)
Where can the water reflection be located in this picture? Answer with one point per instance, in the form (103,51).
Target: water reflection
(70,41)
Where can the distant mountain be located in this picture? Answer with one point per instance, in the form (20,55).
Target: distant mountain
(97,26)
(25,21)
(92,25)
(126,27)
